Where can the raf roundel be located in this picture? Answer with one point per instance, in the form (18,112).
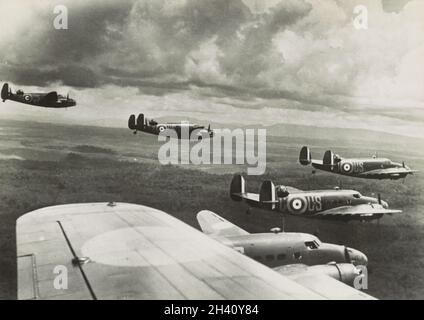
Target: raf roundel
(347,167)
(297,205)
(161,129)
(27,97)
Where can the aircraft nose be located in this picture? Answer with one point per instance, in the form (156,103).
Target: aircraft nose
(356,257)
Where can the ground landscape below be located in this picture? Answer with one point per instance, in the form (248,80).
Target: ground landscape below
(43,164)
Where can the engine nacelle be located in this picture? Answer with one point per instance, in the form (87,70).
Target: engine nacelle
(344,272)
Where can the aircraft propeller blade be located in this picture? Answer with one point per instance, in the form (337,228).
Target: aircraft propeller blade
(209,127)
(379,198)
(403,164)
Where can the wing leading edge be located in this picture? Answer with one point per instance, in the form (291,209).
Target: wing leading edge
(127,251)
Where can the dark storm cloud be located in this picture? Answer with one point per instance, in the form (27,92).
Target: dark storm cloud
(293,49)
(40,54)
(129,41)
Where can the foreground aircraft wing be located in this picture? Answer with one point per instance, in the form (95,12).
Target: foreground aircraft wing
(214,225)
(357,212)
(127,251)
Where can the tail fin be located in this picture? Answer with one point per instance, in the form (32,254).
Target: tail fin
(328,158)
(213,224)
(131,122)
(267,195)
(305,156)
(5,92)
(238,187)
(140,122)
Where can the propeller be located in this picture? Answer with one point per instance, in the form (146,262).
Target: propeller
(379,198)
(209,127)
(403,164)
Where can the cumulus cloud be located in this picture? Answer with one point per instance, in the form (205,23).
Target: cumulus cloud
(292,55)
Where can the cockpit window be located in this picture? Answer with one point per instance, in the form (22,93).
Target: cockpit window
(356,195)
(311,244)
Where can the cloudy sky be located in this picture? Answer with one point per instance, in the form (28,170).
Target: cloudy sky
(233,61)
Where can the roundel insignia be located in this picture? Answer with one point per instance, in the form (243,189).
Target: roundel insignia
(347,167)
(161,129)
(297,205)
(27,97)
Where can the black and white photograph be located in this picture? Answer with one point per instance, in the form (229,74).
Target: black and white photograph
(210,150)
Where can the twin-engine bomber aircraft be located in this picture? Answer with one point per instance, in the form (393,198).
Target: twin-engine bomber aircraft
(371,168)
(128,251)
(47,100)
(152,126)
(290,249)
(336,204)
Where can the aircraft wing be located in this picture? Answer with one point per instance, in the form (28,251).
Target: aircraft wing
(127,251)
(388,171)
(214,225)
(362,211)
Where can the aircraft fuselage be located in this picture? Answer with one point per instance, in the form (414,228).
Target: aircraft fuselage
(310,203)
(363,168)
(277,249)
(36,99)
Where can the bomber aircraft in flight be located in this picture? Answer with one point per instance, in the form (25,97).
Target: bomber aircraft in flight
(152,126)
(127,251)
(46,100)
(277,249)
(336,204)
(370,168)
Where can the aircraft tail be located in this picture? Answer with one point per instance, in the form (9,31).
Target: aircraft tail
(305,156)
(237,188)
(5,92)
(267,195)
(213,224)
(140,122)
(131,122)
(328,158)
